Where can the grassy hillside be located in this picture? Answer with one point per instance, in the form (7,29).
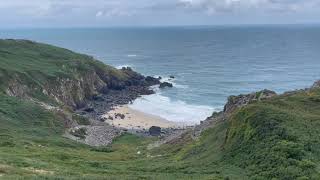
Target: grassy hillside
(42,61)
(41,71)
(278,138)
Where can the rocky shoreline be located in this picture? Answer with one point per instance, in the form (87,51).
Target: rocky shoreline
(100,133)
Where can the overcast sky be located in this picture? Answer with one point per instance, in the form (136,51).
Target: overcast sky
(92,13)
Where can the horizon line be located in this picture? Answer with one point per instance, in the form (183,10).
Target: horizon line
(162,26)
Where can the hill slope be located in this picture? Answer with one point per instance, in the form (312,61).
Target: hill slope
(269,138)
(51,74)
(274,138)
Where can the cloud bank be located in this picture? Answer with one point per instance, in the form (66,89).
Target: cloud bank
(156,12)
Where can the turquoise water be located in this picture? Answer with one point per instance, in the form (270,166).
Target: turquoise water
(209,63)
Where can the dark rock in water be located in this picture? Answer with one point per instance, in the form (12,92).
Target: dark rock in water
(159,78)
(155,131)
(165,84)
(171,77)
(126,68)
(147,92)
(242,100)
(151,81)
(89,109)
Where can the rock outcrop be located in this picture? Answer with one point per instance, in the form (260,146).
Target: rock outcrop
(76,91)
(150,81)
(235,102)
(155,131)
(165,84)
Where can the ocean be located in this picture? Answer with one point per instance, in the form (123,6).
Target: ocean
(209,63)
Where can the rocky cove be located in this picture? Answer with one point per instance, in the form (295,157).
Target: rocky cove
(100,134)
(76,87)
(88,96)
(81,90)
(94,131)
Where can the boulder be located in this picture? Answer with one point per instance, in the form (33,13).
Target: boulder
(97,98)
(171,77)
(155,131)
(121,116)
(152,81)
(165,84)
(89,109)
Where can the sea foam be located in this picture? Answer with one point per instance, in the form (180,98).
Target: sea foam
(172,110)
(122,66)
(132,55)
(173,82)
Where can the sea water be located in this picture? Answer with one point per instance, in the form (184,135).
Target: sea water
(209,63)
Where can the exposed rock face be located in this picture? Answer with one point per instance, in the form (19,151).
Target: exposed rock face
(242,100)
(155,131)
(165,84)
(89,93)
(77,91)
(152,81)
(233,103)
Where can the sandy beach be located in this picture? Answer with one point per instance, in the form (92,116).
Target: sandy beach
(126,117)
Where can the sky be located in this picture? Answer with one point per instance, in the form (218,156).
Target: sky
(106,13)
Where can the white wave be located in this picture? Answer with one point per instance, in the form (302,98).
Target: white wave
(124,65)
(176,111)
(132,55)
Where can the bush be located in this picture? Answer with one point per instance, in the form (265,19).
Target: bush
(81,133)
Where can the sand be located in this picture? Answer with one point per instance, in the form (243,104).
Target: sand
(135,119)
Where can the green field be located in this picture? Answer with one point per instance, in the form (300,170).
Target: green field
(278,138)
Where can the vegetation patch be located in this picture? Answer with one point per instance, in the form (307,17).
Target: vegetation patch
(81,120)
(80,133)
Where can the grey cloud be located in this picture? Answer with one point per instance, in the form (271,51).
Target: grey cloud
(124,12)
(221,6)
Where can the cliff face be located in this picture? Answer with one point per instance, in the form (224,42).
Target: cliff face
(69,85)
(54,75)
(70,91)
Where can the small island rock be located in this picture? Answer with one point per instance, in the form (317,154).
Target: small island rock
(165,84)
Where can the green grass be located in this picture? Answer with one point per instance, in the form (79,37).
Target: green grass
(32,147)
(42,61)
(273,139)
(35,67)
(277,138)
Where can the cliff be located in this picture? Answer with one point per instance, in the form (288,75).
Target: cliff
(55,75)
(70,85)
